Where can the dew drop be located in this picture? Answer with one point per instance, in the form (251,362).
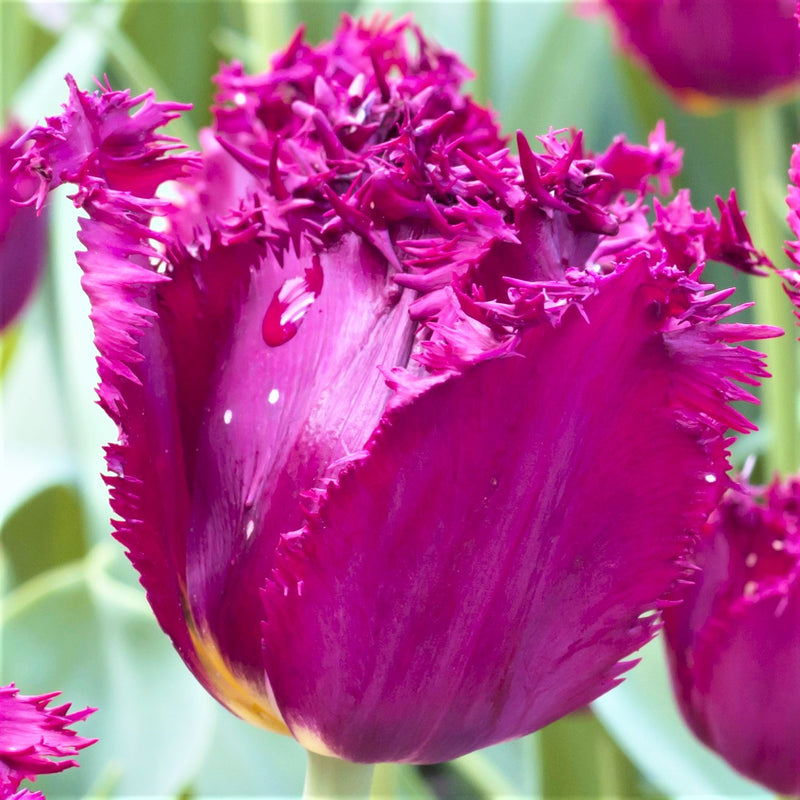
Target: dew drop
(227,416)
(273,396)
(251,526)
(751,559)
(240,98)
(750,588)
(711,478)
(290,304)
(778,544)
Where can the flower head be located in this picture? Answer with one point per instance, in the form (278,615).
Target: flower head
(414,433)
(725,49)
(31,736)
(22,235)
(734,641)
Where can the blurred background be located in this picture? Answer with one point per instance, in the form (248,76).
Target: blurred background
(73,616)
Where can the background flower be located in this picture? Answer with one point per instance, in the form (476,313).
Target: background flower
(734,641)
(33,735)
(727,49)
(22,235)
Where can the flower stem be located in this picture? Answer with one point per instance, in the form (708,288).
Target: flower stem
(483,51)
(763,165)
(328,778)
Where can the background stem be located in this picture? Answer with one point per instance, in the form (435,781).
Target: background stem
(763,165)
(333,778)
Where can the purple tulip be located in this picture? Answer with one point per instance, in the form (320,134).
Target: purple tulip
(734,641)
(415,435)
(32,735)
(728,49)
(22,235)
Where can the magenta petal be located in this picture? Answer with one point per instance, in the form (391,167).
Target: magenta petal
(280,422)
(484,570)
(734,641)
(107,144)
(32,735)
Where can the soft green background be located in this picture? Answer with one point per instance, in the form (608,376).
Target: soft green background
(73,617)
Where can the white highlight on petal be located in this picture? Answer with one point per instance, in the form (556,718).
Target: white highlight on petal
(711,478)
(751,559)
(778,544)
(273,396)
(750,588)
(240,98)
(227,416)
(248,531)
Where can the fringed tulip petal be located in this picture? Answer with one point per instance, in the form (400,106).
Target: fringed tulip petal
(442,599)
(734,641)
(106,144)
(32,735)
(281,420)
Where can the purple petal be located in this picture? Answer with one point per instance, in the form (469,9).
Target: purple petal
(279,423)
(488,565)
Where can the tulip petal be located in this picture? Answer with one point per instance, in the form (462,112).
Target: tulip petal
(262,449)
(117,161)
(440,600)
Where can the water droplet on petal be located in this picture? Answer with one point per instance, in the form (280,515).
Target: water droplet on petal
(273,396)
(750,588)
(778,544)
(227,416)
(290,304)
(251,526)
(711,478)
(751,560)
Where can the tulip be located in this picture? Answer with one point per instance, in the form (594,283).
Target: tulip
(32,735)
(415,434)
(724,49)
(734,641)
(22,236)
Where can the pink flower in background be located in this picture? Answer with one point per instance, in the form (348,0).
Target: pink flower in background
(22,235)
(727,49)
(32,735)
(734,641)
(415,435)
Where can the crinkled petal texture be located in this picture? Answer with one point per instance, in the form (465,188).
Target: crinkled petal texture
(734,641)
(32,735)
(727,49)
(22,235)
(414,433)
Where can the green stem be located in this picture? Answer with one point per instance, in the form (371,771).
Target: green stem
(328,778)
(763,164)
(580,759)
(483,50)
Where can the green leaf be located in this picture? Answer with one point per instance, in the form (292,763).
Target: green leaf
(508,770)
(79,50)
(77,630)
(46,531)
